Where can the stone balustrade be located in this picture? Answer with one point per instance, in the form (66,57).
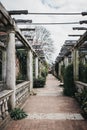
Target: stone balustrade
(4,99)
(80,86)
(22,92)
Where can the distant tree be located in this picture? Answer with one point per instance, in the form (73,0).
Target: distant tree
(43,37)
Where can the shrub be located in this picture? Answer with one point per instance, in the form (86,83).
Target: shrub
(17,114)
(38,83)
(82,99)
(69,87)
(44,74)
(82,96)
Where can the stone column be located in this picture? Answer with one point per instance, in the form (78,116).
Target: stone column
(36,67)
(4,66)
(76,64)
(30,68)
(10,67)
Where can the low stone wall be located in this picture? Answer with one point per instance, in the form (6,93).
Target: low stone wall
(4,99)
(80,86)
(22,92)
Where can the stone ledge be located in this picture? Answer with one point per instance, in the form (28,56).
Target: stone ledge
(5,93)
(80,86)
(22,84)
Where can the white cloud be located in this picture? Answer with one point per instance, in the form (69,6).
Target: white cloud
(50,3)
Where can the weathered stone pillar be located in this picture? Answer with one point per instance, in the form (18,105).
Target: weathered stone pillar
(4,66)
(76,64)
(36,67)
(10,67)
(30,68)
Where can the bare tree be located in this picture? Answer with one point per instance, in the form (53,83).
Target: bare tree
(43,37)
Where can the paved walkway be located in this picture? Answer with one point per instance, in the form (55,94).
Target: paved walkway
(50,110)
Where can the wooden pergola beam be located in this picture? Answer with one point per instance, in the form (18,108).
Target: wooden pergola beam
(27,29)
(17,12)
(81,40)
(22,21)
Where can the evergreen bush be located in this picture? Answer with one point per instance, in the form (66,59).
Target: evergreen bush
(44,73)
(39,82)
(69,87)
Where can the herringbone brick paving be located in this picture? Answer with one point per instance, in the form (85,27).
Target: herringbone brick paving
(50,110)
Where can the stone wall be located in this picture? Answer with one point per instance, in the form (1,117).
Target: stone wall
(80,86)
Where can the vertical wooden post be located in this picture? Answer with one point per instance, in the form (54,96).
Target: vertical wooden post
(76,63)
(36,67)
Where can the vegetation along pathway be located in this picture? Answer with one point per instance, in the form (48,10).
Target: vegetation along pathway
(50,110)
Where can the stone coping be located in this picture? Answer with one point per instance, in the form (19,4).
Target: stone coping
(5,93)
(20,85)
(81,83)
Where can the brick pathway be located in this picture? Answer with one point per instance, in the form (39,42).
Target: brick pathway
(50,110)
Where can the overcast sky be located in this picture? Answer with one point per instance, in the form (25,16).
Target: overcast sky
(59,33)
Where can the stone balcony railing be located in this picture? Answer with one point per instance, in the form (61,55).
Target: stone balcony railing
(80,86)
(22,92)
(4,99)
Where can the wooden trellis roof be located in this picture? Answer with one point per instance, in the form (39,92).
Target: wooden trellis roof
(65,50)
(82,39)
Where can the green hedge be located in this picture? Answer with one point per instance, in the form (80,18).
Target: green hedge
(39,83)
(69,87)
(44,73)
